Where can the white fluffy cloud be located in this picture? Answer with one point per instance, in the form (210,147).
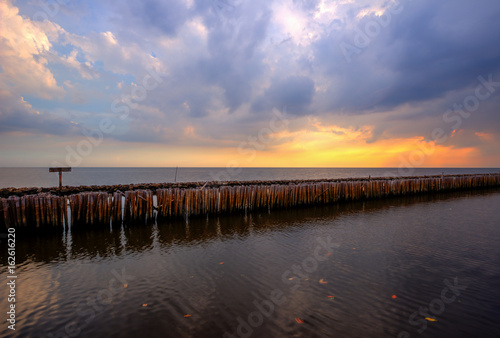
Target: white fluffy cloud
(23,46)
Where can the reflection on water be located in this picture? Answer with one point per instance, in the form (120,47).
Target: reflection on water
(209,276)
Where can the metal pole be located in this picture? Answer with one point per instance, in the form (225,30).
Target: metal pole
(60,179)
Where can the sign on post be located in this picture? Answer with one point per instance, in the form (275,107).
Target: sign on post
(60,171)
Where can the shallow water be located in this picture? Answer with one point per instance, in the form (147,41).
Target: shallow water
(204,278)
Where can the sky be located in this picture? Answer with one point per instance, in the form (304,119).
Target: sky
(261,83)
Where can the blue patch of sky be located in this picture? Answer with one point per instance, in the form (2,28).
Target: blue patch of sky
(106,86)
(62,50)
(75,16)
(87,16)
(28,9)
(50,105)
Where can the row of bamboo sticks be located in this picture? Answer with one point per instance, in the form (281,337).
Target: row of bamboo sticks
(220,200)
(88,208)
(139,205)
(40,210)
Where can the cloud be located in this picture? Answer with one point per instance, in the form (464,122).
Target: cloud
(225,64)
(85,69)
(25,71)
(295,93)
(234,62)
(23,45)
(422,54)
(18,115)
(116,57)
(152,16)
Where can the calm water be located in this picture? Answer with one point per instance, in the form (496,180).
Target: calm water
(211,276)
(40,177)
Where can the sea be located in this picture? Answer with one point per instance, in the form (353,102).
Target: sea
(415,266)
(41,177)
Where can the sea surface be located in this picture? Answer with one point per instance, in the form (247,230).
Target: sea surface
(40,177)
(422,266)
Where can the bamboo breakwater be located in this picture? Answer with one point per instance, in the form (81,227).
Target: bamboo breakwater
(49,211)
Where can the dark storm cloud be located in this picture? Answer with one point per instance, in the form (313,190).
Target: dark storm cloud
(443,47)
(234,62)
(427,50)
(15,116)
(162,16)
(295,93)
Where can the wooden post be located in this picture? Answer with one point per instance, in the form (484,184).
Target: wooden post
(60,171)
